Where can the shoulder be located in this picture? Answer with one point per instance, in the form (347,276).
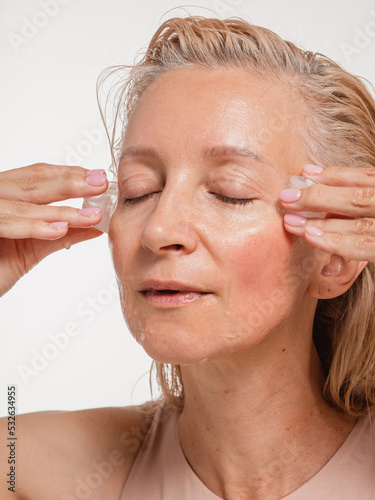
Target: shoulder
(61,452)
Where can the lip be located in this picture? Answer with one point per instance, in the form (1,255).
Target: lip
(158,299)
(185,295)
(170,285)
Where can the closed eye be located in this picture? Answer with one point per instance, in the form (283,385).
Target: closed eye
(226,199)
(132,201)
(234,201)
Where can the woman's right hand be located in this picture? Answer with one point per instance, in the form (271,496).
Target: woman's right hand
(26,234)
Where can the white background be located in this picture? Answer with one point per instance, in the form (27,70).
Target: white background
(48,107)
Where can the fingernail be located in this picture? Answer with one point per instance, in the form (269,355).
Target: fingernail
(96,171)
(314,231)
(312,169)
(89,211)
(96,180)
(290,195)
(294,220)
(58,225)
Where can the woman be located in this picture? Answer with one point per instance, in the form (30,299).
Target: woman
(263,340)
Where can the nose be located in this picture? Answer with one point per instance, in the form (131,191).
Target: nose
(171,225)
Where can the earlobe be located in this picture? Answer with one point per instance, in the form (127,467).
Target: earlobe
(335,277)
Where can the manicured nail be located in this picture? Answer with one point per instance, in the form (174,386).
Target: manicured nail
(89,211)
(314,231)
(58,225)
(96,180)
(290,195)
(294,220)
(96,171)
(312,169)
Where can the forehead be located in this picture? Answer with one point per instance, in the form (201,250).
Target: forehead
(238,90)
(186,108)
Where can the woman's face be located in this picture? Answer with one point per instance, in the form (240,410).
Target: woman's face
(209,135)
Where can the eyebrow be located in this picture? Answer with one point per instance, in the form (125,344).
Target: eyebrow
(211,152)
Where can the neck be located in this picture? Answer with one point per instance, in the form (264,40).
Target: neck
(256,425)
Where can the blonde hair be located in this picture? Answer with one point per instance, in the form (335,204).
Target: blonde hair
(339,130)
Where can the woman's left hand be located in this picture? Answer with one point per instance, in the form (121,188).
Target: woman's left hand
(347,194)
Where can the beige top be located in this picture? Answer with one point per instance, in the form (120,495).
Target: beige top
(161,471)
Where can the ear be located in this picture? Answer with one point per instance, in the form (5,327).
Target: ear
(334,276)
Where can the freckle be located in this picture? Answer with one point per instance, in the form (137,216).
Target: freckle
(259,478)
(311,412)
(288,428)
(226,392)
(284,349)
(207,428)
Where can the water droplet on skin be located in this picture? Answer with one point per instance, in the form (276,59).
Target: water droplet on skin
(231,339)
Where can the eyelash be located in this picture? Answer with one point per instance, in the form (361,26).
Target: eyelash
(226,199)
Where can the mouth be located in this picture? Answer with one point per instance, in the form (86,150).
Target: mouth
(171,292)
(171,297)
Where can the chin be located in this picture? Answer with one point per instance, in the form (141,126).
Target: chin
(178,349)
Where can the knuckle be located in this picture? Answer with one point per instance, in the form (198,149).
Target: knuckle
(368,172)
(318,223)
(20,208)
(39,168)
(72,180)
(27,185)
(5,222)
(337,172)
(65,213)
(313,194)
(334,239)
(363,197)
(321,224)
(317,193)
(363,225)
(363,243)
(34,226)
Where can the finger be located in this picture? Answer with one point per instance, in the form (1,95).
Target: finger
(74,236)
(342,176)
(51,189)
(350,239)
(352,227)
(17,228)
(75,217)
(347,201)
(347,246)
(40,171)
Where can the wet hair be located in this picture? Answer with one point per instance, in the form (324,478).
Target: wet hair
(338,129)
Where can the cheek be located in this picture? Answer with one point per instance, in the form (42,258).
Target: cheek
(261,293)
(123,250)
(122,244)
(261,260)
